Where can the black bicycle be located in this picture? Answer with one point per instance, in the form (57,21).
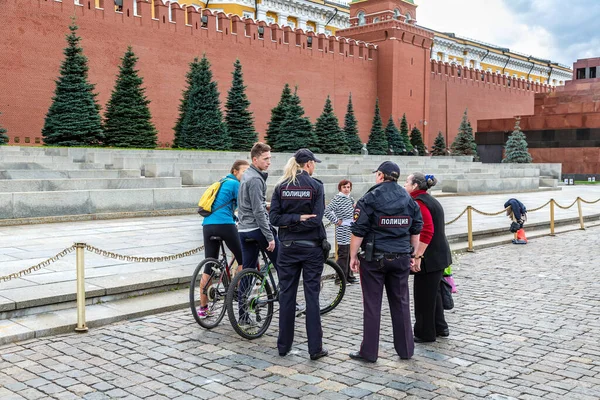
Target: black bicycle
(253,293)
(208,289)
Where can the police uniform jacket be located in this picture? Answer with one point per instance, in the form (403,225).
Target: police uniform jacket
(291,200)
(389,216)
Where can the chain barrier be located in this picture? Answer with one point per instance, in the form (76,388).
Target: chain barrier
(39,266)
(456,219)
(589,202)
(489,214)
(565,208)
(122,257)
(540,207)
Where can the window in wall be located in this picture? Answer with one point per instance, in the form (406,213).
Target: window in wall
(580,73)
(361,18)
(376,19)
(472,63)
(592,72)
(440,56)
(408,17)
(248,14)
(397,14)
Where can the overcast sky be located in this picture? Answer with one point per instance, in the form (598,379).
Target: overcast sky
(559,30)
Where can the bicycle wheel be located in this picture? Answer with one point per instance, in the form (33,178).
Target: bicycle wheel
(250,304)
(333,286)
(211,280)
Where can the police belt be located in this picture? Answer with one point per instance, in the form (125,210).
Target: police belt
(388,256)
(302,243)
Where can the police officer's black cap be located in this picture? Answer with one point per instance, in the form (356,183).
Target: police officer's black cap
(389,168)
(305,155)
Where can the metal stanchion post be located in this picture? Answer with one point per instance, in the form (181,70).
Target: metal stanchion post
(81,327)
(580,213)
(470,228)
(551,217)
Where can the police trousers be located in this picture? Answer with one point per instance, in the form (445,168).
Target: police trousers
(393,274)
(293,261)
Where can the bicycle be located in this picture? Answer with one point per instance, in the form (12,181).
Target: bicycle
(210,282)
(253,292)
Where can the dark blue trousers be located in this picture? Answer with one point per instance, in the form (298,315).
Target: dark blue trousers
(394,276)
(250,250)
(293,261)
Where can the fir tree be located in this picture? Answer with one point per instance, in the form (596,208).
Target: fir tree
(393,137)
(329,135)
(416,140)
(295,131)
(73,118)
(277,117)
(404,135)
(3,137)
(351,129)
(515,150)
(194,69)
(377,141)
(464,143)
(439,145)
(239,120)
(203,126)
(127,118)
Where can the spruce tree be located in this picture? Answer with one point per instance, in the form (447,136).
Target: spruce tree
(239,120)
(416,140)
(128,122)
(395,142)
(203,126)
(377,141)
(351,129)
(439,145)
(329,135)
(464,143)
(277,117)
(295,131)
(189,78)
(3,136)
(515,150)
(73,118)
(404,135)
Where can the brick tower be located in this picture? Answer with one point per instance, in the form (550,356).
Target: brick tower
(404,57)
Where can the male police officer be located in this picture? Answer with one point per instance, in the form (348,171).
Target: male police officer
(387,223)
(297,208)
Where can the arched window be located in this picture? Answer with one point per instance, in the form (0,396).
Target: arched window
(361,18)
(408,17)
(375,19)
(397,13)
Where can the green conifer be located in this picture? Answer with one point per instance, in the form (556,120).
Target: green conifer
(277,117)
(203,126)
(464,143)
(351,129)
(395,142)
(377,141)
(189,78)
(439,145)
(329,135)
(416,140)
(404,135)
(515,150)
(73,118)
(3,136)
(128,122)
(295,131)
(239,120)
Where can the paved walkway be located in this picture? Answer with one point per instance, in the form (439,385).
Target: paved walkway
(525,326)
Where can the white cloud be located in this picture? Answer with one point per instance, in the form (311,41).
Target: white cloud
(542,28)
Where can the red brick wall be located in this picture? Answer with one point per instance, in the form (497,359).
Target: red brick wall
(491,98)
(32,38)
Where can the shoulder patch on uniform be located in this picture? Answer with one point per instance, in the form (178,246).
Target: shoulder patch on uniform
(402,221)
(356,213)
(296,193)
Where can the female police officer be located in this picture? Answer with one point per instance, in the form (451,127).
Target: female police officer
(297,208)
(387,223)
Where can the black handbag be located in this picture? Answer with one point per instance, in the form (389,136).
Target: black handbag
(446,291)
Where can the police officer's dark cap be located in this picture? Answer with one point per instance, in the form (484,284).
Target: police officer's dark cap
(389,168)
(305,155)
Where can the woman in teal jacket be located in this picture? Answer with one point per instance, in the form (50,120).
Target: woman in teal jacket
(222,223)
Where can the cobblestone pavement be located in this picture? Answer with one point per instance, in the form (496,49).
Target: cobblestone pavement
(526,325)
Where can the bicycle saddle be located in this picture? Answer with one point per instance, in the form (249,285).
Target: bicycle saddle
(249,240)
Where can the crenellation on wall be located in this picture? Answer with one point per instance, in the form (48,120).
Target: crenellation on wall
(461,74)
